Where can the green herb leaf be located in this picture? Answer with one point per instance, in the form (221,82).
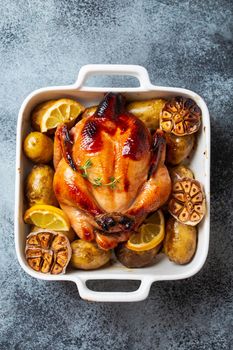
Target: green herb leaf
(98,182)
(113,182)
(88,164)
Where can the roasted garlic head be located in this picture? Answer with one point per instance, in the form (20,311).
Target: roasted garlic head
(187,203)
(48,251)
(180,116)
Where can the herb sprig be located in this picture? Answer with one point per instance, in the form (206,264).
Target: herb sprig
(113,182)
(97,182)
(88,164)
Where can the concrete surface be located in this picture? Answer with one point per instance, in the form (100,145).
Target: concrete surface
(181,43)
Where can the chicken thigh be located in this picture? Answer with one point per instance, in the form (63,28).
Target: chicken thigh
(110,173)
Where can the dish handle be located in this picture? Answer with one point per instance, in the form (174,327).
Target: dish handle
(136,71)
(137,295)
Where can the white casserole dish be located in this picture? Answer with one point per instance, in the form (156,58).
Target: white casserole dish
(200,164)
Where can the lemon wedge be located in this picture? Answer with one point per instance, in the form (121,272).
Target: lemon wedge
(48,217)
(149,235)
(50,114)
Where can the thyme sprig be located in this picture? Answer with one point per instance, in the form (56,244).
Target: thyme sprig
(113,182)
(88,164)
(97,182)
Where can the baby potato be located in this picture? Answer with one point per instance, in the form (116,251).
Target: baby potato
(178,147)
(39,186)
(88,256)
(135,259)
(148,111)
(180,172)
(38,147)
(180,241)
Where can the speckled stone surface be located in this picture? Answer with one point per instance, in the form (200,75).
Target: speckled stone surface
(181,43)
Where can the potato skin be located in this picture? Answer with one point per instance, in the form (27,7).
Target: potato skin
(180,172)
(180,241)
(148,111)
(178,147)
(133,259)
(38,147)
(39,186)
(88,256)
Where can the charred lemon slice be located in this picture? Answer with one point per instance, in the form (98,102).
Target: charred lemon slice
(187,203)
(47,216)
(180,116)
(50,114)
(48,251)
(149,235)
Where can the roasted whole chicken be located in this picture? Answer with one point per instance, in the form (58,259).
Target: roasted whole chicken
(110,173)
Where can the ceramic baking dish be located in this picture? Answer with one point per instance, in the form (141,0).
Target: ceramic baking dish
(200,164)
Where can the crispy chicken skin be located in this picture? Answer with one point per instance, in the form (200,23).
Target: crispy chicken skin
(110,173)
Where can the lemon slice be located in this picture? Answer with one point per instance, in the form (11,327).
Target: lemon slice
(47,216)
(50,114)
(149,235)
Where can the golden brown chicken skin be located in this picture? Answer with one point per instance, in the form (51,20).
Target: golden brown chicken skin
(110,173)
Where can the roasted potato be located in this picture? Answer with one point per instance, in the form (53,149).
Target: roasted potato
(39,186)
(180,172)
(178,147)
(148,111)
(134,259)
(180,241)
(38,147)
(88,256)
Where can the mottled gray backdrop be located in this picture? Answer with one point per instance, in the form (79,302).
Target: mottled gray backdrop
(181,43)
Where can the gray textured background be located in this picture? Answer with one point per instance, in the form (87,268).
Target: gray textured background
(181,43)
